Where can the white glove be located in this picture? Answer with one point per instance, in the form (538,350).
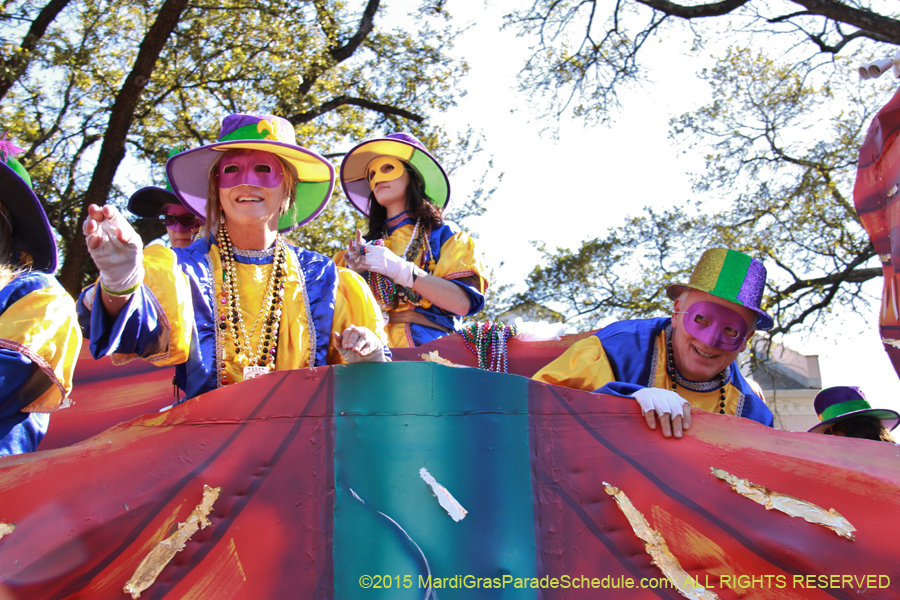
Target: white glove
(120,263)
(657,402)
(380,259)
(359,344)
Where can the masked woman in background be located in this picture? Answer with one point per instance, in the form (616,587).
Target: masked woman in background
(241,302)
(181,224)
(39,335)
(423,270)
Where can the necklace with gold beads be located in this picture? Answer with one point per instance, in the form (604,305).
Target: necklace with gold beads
(267,318)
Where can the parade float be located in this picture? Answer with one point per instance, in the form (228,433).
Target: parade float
(423,480)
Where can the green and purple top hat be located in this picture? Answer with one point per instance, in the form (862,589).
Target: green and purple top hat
(148,202)
(837,403)
(189,171)
(407,148)
(732,276)
(31,233)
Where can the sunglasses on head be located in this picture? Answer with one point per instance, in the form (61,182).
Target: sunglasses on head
(187,220)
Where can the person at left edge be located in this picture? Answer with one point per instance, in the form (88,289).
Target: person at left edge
(39,334)
(241,301)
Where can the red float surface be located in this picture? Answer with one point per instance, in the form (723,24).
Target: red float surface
(582,440)
(87,514)
(105,395)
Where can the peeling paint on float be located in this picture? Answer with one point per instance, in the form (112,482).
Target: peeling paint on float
(789,505)
(153,564)
(656,546)
(566,523)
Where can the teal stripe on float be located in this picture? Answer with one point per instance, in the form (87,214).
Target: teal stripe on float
(469,428)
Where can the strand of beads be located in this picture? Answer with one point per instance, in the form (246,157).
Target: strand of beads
(488,342)
(389,294)
(268,316)
(670,367)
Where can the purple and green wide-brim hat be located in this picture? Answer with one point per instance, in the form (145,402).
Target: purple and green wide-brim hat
(732,276)
(399,145)
(189,171)
(31,232)
(837,403)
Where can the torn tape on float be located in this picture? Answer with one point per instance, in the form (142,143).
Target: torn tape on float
(789,505)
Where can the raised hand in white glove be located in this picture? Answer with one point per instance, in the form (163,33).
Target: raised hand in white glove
(116,248)
(359,344)
(674,412)
(379,259)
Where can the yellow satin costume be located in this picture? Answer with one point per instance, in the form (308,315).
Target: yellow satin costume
(39,345)
(178,312)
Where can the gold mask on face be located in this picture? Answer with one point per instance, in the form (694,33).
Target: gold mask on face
(383,168)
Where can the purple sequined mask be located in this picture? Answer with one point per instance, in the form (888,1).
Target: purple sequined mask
(255,167)
(716,325)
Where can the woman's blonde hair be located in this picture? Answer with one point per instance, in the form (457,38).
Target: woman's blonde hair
(214,208)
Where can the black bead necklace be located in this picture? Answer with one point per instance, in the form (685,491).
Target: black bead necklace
(670,367)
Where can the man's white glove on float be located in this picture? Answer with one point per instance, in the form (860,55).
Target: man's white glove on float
(660,400)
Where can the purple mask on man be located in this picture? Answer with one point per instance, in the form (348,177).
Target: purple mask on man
(716,325)
(253,167)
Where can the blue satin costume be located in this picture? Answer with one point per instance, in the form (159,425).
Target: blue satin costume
(629,355)
(173,318)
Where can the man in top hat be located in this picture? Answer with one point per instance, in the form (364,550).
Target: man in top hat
(845,412)
(687,360)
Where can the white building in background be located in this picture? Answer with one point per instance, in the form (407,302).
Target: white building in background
(789,380)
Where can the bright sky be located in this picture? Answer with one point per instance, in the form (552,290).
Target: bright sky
(567,189)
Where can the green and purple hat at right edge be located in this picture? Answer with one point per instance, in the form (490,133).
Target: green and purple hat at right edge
(732,276)
(838,403)
(407,148)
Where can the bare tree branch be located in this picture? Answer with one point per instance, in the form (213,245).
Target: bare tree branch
(112,151)
(14,66)
(344,100)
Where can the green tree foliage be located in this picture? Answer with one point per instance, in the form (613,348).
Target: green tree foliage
(780,146)
(586,50)
(99,90)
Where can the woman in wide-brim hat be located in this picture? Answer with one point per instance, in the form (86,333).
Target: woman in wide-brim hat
(240,302)
(153,202)
(424,271)
(39,334)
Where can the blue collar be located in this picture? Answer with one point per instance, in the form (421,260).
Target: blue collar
(395,223)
